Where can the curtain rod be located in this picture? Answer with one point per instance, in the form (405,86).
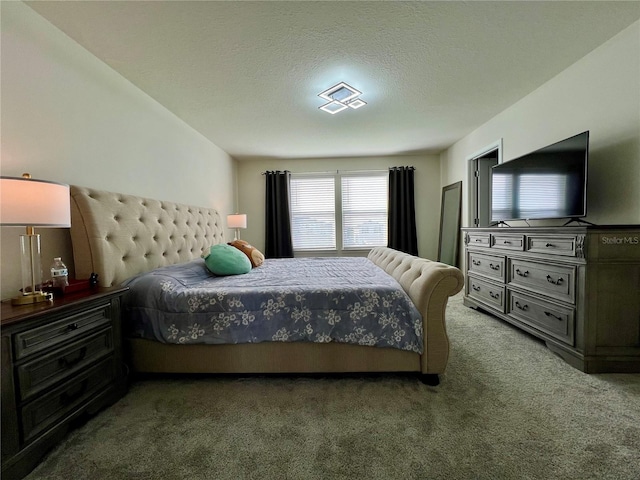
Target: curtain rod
(331,172)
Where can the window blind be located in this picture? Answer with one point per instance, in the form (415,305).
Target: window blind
(313,219)
(364,210)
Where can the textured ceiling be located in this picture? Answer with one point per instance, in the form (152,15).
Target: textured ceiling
(247,74)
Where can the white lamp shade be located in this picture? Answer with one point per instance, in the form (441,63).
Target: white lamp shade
(239,220)
(34,203)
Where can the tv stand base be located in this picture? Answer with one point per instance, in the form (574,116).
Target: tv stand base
(579,221)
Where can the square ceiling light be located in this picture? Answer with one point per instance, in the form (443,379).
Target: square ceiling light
(340,97)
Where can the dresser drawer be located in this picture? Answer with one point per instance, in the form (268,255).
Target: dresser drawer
(486,292)
(554,320)
(479,240)
(508,241)
(58,332)
(49,369)
(556,281)
(553,245)
(487,265)
(52,407)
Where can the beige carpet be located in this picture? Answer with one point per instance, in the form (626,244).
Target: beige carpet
(507,408)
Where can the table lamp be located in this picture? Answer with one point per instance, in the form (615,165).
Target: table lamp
(237,221)
(26,202)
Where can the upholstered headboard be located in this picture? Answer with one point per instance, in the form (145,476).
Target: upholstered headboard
(118,236)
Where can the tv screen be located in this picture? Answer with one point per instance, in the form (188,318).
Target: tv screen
(548,183)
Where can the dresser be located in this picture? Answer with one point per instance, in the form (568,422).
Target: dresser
(61,360)
(576,288)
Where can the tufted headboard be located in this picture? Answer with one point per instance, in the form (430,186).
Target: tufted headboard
(119,236)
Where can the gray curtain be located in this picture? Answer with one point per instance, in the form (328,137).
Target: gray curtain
(402,232)
(278,243)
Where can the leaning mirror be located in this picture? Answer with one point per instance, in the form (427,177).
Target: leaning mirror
(450,213)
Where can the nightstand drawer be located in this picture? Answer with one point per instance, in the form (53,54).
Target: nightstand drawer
(47,370)
(547,317)
(53,334)
(48,409)
(556,281)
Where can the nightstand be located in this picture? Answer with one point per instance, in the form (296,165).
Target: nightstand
(61,360)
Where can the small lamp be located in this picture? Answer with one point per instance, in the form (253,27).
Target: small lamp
(26,202)
(237,221)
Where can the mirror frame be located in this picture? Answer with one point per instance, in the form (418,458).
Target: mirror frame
(451,207)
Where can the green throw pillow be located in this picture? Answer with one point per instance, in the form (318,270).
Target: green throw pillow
(224,259)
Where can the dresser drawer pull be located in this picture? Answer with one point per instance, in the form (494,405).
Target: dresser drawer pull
(506,242)
(555,282)
(478,240)
(521,273)
(494,267)
(71,327)
(549,245)
(475,287)
(549,314)
(67,397)
(494,295)
(66,362)
(522,307)
(476,262)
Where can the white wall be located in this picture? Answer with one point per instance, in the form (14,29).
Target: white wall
(599,93)
(251,191)
(70,118)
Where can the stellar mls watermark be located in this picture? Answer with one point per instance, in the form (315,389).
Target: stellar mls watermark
(615,240)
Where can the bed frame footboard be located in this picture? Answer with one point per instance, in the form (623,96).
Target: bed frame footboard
(429,284)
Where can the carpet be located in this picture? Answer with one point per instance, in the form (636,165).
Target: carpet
(507,408)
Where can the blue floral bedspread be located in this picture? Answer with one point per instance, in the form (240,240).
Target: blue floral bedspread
(346,299)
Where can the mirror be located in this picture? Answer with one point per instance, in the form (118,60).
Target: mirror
(450,213)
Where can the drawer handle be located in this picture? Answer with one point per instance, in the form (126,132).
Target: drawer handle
(521,273)
(67,397)
(549,245)
(522,307)
(506,242)
(494,267)
(555,282)
(478,240)
(476,288)
(549,314)
(476,262)
(71,327)
(65,362)
(494,295)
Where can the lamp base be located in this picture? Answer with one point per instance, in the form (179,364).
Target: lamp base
(31,298)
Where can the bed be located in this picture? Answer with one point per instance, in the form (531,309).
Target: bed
(120,237)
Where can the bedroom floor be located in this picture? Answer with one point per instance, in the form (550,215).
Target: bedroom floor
(506,408)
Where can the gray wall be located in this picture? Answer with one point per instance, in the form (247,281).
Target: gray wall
(68,117)
(599,93)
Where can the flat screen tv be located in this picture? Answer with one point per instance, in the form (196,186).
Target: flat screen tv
(548,183)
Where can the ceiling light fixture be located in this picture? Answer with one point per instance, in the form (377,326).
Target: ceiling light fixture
(340,97)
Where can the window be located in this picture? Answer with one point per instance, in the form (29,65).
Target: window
(313,214)
(339,211)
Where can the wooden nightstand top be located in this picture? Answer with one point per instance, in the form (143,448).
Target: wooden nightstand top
(11,314)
